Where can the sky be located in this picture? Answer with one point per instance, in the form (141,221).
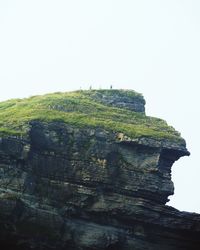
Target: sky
(152,47)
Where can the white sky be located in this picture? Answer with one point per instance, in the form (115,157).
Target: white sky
(152,47)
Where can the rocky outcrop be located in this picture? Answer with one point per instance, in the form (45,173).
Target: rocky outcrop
(132,101)
(66,187)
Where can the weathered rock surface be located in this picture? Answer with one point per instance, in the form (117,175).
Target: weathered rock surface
(117,99)
(64,187)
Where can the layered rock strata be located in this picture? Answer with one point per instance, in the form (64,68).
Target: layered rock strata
(65,187)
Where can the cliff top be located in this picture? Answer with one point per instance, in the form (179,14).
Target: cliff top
(119,111)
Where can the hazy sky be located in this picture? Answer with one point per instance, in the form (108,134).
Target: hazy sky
(151,46)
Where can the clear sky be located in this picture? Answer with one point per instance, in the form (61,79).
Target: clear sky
(152,47)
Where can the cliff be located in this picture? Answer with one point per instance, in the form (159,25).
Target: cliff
(89,170)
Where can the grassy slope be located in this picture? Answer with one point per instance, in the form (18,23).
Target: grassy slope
(80,109)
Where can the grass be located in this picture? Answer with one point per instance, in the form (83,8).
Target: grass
(81,109)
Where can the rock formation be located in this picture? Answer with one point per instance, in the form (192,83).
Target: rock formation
(72,175)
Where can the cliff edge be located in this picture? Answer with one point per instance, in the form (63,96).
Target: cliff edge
(89,170)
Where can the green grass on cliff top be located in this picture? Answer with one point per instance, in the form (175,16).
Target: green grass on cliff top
(80,109)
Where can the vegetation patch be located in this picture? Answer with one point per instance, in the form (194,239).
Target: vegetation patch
(79,108)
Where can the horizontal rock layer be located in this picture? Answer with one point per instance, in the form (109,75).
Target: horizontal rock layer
(65,187)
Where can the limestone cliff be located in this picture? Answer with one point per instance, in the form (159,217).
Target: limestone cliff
(89,170)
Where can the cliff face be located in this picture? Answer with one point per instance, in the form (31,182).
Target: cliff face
(66,186)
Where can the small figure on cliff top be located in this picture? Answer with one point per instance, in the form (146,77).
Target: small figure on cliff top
(111,86)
